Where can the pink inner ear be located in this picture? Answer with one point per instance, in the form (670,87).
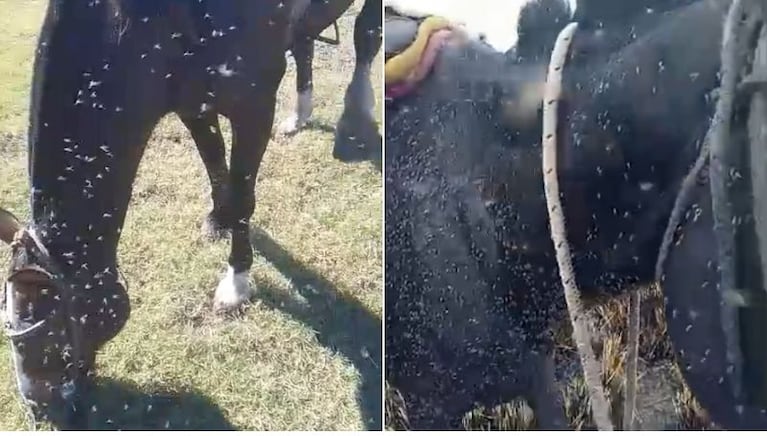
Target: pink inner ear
(9,225)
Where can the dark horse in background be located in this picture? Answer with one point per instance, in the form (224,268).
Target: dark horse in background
(356,136)
(472,285)
(106,71)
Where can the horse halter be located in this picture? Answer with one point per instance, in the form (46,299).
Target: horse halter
(45,265)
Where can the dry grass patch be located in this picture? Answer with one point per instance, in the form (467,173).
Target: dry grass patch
(663,401)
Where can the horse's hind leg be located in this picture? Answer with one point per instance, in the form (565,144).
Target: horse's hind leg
(206,133)
(303,53)
(357,136)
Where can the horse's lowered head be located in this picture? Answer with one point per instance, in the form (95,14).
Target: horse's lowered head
(56,318)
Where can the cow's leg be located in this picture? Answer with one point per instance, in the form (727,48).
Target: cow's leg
(694,304)
(251,129)
(432,412)
(357,136)
(206,133)
(303,53)
(549,408)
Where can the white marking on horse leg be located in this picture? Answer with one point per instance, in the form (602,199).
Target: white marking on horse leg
(298,119)
(304,106)
(233,290)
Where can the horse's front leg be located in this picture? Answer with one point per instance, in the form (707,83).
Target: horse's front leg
(206,133)
(303,53)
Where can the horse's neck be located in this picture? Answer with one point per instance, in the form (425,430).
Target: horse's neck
(75,249)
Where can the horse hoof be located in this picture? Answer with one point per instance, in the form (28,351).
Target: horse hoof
(232,292)
(291,125)
(355,142)
(300,116)
(212,230)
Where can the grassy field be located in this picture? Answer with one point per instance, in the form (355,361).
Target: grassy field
(306,353)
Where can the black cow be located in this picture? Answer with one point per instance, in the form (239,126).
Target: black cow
(105,72)
(472,286)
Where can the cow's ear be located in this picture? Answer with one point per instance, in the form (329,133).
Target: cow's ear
(9,226)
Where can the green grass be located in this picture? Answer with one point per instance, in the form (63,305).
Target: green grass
(306,353)
(18,38)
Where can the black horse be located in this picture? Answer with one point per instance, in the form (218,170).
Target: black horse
(105,72)
(356,136)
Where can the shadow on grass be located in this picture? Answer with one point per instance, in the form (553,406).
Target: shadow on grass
(320,126)
(311,125)
(120,406)
(347,151)
(352,151)
(342,325)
